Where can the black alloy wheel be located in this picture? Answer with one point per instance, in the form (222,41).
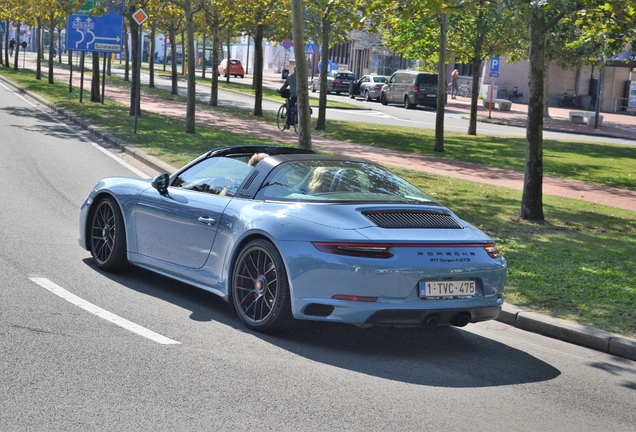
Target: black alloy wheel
(108,236)
(260,289)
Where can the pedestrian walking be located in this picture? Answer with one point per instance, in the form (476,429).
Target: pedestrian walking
(11,46)
(454,84)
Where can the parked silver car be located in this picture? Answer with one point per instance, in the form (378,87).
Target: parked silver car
(369,86)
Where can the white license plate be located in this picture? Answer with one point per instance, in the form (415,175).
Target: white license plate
(447,288)
(431,95)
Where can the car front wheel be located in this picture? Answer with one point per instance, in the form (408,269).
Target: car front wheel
(108,236)
(383,99)
(260,290)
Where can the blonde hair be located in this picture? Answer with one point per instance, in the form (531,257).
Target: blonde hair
(319,179)
(256,158)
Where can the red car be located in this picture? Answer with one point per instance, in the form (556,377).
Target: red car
(231,67)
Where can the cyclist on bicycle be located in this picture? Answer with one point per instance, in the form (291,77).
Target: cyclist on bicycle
(291,102)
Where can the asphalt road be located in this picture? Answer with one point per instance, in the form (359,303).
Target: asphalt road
(371,112)
(160,355)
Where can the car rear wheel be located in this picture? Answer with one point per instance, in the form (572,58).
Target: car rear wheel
(407,103)
(108,236)
(260,290)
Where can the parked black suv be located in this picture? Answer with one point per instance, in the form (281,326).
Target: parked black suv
(411,88)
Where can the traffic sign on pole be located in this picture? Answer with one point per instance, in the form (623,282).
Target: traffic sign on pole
(140,16)
(287,43)
(494,67)
(310,49)
(101,34)
(2,28)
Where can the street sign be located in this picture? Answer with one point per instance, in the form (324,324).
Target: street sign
(2,28)
(287,43)
(28,33)
(494,64)
(101,34)
(140,16)
(310,49)
(329,66)
(494,67)
(85,9)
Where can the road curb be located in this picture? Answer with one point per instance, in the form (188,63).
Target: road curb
(569,331)
(149,160)
(556,328)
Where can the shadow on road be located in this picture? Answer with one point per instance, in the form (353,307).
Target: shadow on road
(442,357)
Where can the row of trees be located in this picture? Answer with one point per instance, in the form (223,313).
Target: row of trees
(569,32)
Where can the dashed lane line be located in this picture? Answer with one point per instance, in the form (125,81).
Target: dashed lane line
(102,313)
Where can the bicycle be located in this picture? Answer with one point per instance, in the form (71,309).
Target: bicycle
(464,90)
(502,93)
(564,100)
(281,117)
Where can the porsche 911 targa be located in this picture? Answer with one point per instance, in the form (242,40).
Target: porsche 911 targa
(284,233)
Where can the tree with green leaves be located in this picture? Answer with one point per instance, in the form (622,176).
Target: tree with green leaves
(332,20)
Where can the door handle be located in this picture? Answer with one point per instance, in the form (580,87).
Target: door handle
(207,220)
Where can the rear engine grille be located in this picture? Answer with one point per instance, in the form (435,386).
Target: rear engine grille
(412,219)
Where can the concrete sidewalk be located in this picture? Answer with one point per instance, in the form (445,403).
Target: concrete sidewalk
(552,327)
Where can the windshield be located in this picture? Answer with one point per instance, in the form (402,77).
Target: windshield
(342,181)
(345,76)
(380,79)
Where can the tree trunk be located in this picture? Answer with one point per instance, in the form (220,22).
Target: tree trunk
(203,63)
(546,84)
(38,67)
(173,63)
(127,54)
(441,88)
(258,71)
(17,47)
(324,61)
(216,42)
(476,63)
(51,52)
(191,64)
(474,96)
(532,198)
(304,116)
(95,81)
(136,63)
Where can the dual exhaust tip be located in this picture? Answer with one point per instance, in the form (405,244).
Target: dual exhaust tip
(460,320)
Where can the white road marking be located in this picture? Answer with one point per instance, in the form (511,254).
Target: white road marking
(102,313)
(140,173)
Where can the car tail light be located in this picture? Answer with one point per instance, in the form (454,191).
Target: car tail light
(336,81)
(415,89)
(377,87)
(491,250)
(367,250)
(355,298)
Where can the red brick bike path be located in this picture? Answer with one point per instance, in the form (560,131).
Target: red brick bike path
(619,126)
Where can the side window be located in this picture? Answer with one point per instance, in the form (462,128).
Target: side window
(392,79)
(219,176)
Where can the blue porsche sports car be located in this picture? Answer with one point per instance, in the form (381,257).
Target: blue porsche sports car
(284,233)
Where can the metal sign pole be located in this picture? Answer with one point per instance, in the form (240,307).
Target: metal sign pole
(138,88)
(103,78)
(82,75)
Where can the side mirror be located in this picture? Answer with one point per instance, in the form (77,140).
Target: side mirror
(161,183)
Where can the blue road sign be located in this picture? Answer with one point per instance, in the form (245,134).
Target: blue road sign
(494,64)
(310,49)
(101,34)
(329,66)
(2,28)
